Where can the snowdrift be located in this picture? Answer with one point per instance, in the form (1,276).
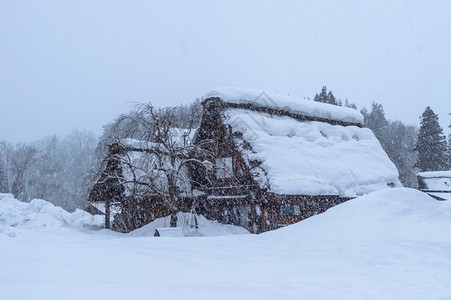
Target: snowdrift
(392,244)
(399,213)
(188,222)
(41,215)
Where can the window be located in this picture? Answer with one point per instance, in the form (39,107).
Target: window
(285,210)
(296,210)
(290,210)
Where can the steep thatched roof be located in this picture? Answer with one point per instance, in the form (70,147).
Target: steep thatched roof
(328,153)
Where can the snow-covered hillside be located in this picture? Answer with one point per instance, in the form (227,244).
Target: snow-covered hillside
(392,244)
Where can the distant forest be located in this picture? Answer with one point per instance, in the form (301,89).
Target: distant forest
(62,169)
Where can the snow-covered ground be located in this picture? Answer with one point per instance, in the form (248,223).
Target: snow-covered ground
(392,244)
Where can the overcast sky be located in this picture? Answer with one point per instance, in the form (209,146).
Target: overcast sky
(78,64)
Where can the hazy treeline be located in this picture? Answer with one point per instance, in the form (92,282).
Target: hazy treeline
(62,170)
(410,148)
(56,169)
(398,141)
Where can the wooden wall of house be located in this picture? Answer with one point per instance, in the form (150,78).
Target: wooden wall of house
(137,212)
(274,210)
(282,210)
(212,129)
(226,209)
(222,146)
(108,186)
(265,212)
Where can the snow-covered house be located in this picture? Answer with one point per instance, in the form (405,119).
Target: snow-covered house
(284,159)
(259,160)
(436,183)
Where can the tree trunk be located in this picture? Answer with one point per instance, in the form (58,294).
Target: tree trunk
(173,222)
(107,213)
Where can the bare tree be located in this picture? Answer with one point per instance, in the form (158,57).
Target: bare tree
(154,165)
(5,174)
(18,165)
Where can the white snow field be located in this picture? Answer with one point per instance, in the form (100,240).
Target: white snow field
(391,244)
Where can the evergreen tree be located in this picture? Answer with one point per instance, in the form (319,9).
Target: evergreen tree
(331,98)
(399,146)
(321,97)
(431,143)
(326,97)
(397,140)
(350,105)
(376,121)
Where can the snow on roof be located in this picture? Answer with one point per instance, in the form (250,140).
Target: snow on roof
(312,158)
(134,143)
(288,103)
(435,174)
(139,166)
(177,136)
(115,207)
(436,180)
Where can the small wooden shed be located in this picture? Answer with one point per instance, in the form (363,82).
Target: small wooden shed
(436,184)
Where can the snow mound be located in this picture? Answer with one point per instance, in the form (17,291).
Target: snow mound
(391,244)
(278,101)
(40,214)
(187,222)
(395,214)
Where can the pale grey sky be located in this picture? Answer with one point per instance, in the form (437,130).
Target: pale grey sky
(78,64)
